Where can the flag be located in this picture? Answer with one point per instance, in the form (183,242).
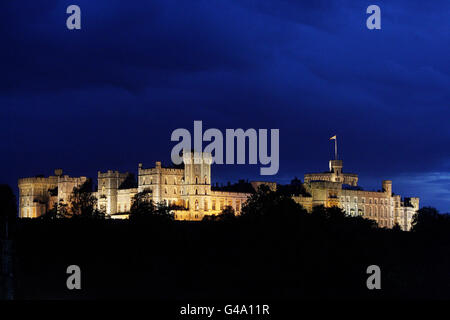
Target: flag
(333,138)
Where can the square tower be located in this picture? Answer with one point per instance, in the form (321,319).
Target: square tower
(197,182)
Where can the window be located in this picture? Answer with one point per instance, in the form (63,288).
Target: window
(196,205)
(214,204)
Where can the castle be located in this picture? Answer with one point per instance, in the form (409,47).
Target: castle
(336,188)
(189,189)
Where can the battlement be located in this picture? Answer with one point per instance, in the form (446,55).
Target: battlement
(112,174)
(197,157)
(159,169)
(42,180)
(218,193)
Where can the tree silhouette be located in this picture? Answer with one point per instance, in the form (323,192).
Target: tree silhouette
(268,204)
(142,204)
(8,208)
(58,211)
(83,203)
(429,220)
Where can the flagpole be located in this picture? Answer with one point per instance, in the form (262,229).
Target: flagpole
(335,148)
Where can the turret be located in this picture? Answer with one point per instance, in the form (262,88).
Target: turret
(387,187)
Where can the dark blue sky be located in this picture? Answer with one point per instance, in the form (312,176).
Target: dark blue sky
(109,95)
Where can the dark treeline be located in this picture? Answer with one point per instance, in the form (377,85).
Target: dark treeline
(273,250)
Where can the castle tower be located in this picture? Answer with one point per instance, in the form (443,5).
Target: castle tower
(108,185)
(197,182)
(387,187)
(336,170)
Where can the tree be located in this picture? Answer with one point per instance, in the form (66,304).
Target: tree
(83,203)
(163,211)
(142,204)
(268,204)
(329,213)
(8,207)
(227,214)
(295,188)
(58,211)
(429,220)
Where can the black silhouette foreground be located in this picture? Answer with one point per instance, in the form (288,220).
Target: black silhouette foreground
(273,250)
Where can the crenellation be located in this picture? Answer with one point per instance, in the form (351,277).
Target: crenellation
(189,189)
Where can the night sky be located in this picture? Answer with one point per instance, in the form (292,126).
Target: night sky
(108,96)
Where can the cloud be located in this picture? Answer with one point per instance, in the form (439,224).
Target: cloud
(135,72)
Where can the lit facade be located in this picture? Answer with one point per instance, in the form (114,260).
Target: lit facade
(335,188)
(189,189)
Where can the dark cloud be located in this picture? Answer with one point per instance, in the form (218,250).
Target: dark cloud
(109,95)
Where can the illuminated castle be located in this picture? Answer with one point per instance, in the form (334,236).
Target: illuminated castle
(189,188)
(335,188)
